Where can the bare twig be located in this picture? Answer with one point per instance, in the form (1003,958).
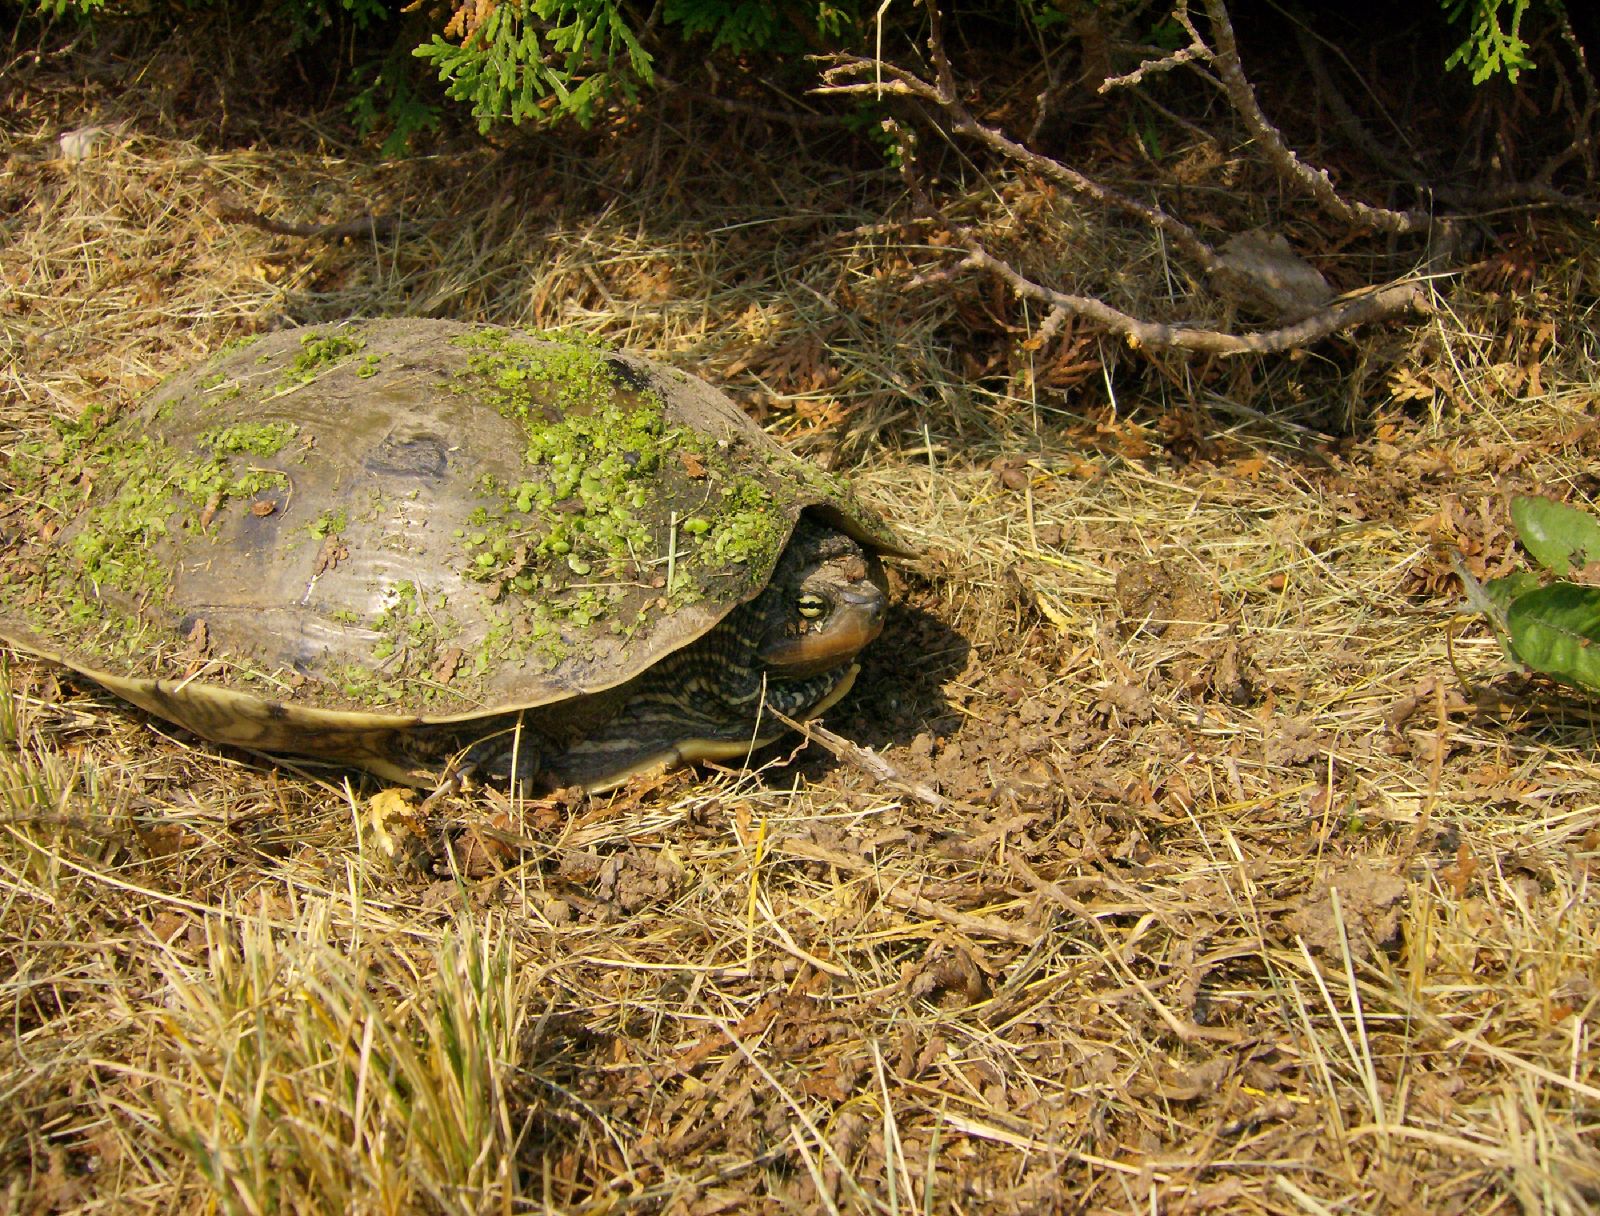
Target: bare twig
(1582,123)
(374,226)
(1194,52)
(837,80)
(1350,126)
(846,75)
(863,758)
(1225,58)
(1357,309)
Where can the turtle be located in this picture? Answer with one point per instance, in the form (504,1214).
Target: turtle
(409,545)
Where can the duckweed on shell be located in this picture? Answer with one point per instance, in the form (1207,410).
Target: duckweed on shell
(318,351)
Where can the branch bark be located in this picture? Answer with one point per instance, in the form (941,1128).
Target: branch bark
(898,82)
(940,91)
(1316,182)
(1352,310)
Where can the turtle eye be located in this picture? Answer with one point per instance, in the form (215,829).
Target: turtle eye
(811,606)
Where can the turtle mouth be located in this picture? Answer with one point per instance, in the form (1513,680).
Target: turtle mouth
(857,619)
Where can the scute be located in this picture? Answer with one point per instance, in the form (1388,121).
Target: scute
(398,522)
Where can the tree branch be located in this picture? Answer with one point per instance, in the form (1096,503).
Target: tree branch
(1316,182)
(1369,305)
(1196,51)
(836,80)
(856,75)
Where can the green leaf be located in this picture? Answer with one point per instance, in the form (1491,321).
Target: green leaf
(542,60)
(1491,47)
(1558,536)
(1556,630)
(1503,592)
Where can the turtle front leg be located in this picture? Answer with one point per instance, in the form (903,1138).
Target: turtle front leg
(499,749)
(510,754)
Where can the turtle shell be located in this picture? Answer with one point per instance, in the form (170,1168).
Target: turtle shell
(328,534)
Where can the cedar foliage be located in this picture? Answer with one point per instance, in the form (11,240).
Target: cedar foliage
(552,60)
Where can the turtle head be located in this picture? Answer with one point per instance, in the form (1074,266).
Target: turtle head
(826,600)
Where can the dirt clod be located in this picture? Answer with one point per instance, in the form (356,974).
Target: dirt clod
(1355,905)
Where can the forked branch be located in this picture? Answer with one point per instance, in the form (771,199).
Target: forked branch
(852,74)
(941,94)
(1351,310)
(1316,182)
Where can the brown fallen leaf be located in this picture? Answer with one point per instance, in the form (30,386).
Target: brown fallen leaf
(1370,902)
(198,638)
(197,645)
(485,852)
(1010,471)
(333,551)
(167,925)
(391,813)
(1459,874)
(445,669)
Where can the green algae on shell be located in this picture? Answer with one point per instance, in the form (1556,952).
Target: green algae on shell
(459,520)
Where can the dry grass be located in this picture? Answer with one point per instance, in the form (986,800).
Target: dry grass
(1238,899)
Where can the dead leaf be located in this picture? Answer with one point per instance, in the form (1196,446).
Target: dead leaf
(167,840)
(1296,741)
(333,552)
(198,638)
(1370,903)
(481,854)
(1459,874)
(1010,471)
(1405,384)
(388,812)
(209,511)
(1144,592)
(445,669)
(1124,703)
(948,974)
(168,924)
(1187,1084)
